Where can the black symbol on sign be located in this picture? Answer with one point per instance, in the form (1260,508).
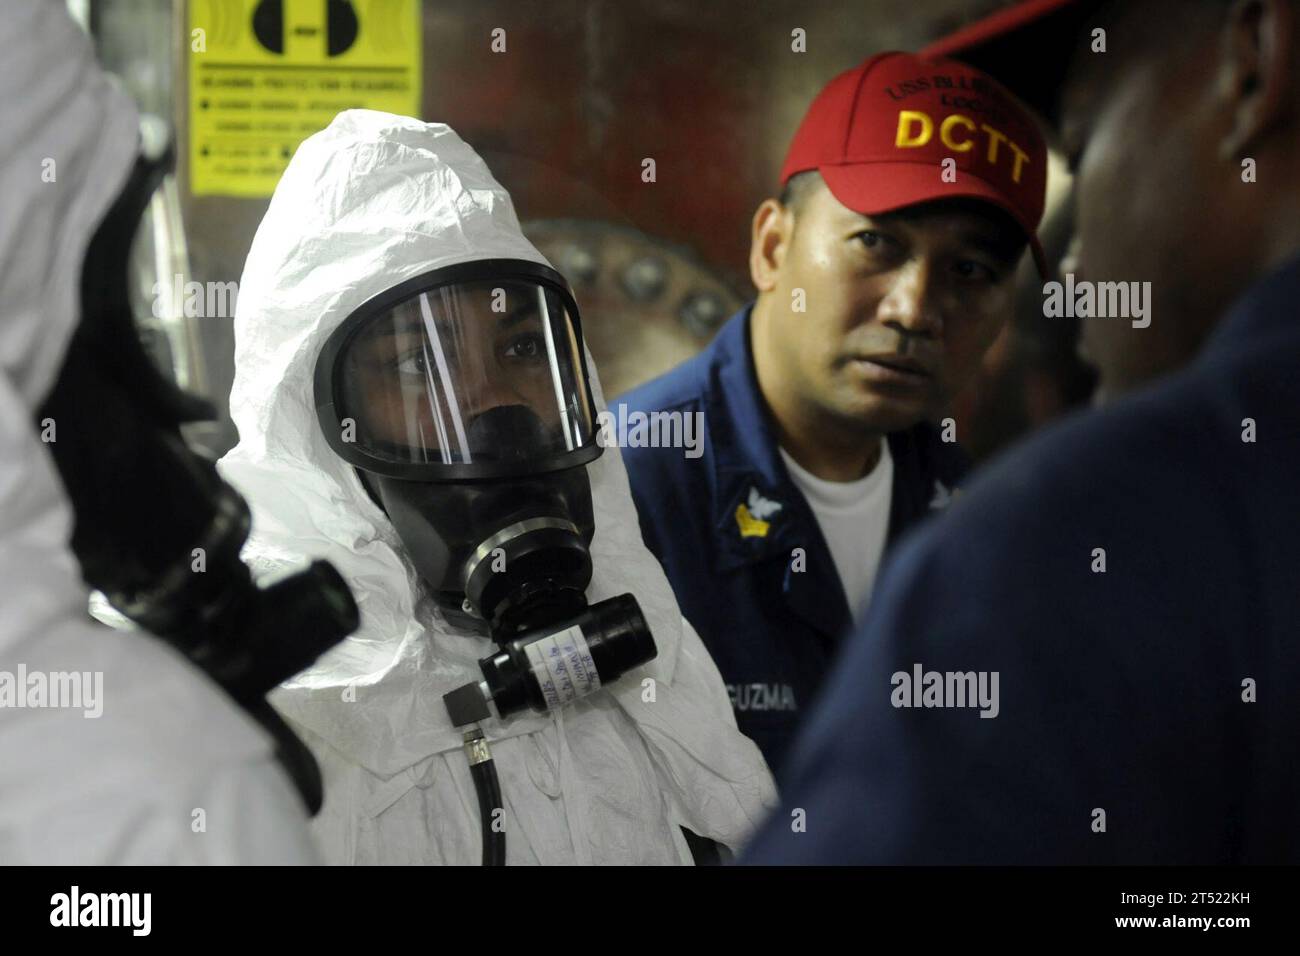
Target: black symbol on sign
(341,26)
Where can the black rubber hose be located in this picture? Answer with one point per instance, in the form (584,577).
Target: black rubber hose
(488,787)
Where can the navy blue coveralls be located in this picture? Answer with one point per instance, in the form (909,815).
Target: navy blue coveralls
(739,543)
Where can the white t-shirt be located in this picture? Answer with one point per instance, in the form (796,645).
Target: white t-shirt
(854,518)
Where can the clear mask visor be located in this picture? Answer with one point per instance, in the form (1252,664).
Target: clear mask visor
(468,373)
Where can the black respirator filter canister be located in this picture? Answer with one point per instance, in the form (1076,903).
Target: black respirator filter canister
(549,668)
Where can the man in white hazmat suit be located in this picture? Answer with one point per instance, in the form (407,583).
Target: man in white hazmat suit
(370,203)
(113,749)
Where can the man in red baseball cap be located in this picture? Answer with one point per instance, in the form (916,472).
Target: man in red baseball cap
(1116,594)
(911,191)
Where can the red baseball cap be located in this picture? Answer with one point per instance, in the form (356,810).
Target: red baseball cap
(1025,46)
(879,135)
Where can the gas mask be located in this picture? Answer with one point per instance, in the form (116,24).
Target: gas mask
(461,398)
(156,529)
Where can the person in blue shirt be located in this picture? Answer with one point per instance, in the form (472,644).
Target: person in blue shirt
(885,270)
(1095,656)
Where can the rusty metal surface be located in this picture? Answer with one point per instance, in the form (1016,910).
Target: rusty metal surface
(588,89)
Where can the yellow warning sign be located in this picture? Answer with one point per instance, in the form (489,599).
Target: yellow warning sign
(266,74)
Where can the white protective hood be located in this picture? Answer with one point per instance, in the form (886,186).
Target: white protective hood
(121,786)
(369,202)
